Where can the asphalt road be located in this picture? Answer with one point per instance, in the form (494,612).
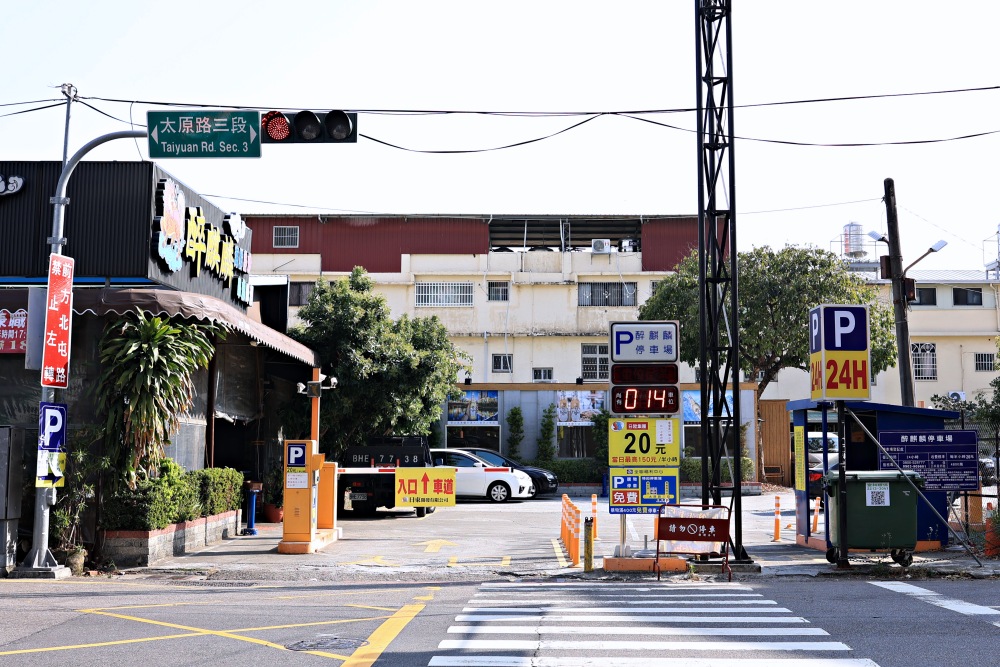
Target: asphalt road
(482,585)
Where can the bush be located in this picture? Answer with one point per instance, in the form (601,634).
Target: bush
(515,432)
(221,490)
(690,470)
(574,471)
(546,435)
(147,507)
(172,497)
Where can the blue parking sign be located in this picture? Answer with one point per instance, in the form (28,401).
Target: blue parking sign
(295,454)
(51,426)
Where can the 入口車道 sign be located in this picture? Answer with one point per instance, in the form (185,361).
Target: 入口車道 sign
(198,133)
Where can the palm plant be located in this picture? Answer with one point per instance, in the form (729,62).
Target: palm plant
(146,385)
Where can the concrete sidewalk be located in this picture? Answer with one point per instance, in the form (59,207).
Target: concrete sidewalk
(256,557)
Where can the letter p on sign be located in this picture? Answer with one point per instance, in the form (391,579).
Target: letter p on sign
(839,353)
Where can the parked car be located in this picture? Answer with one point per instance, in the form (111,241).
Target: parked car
(545,481)
(814,447)
(814,480)
(476,478)
(987,471)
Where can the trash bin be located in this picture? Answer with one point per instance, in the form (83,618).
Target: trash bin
(881,512)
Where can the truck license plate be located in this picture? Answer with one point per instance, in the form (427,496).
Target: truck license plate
(359,496)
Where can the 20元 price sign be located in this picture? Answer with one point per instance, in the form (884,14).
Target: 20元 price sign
(644,442)
(839,353)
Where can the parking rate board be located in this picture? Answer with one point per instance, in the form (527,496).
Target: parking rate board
(839,353)
(642,490)
(644,442)
(947,460)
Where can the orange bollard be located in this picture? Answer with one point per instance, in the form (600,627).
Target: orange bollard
(777,519)
(593,513)
(816,516)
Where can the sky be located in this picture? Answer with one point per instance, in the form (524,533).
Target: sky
(549,57)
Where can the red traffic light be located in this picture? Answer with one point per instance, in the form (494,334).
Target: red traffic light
(308,127)
(274,127)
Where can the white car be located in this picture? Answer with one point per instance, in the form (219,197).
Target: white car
(475,478)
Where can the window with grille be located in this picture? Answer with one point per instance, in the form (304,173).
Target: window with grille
(985,361)
(926,296)
(541,374)
(503,363)
(968,296)
(286,237)
(924,360)
(444,294)
(298,293)
(594,361)
(498,290)
(606,294)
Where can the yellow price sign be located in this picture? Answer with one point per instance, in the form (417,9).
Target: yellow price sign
(424,487)
(644,442)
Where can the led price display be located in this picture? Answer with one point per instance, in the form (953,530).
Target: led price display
(644,374)
(639,400)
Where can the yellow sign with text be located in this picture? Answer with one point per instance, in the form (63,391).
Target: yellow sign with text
(425,487)
(644,442)
(800,458)
(840,375)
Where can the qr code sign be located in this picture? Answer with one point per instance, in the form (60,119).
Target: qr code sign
(877,494)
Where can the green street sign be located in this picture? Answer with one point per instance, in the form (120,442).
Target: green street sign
(200,133)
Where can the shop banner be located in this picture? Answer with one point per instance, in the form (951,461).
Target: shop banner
(13,331)
(578,408)
(476,408)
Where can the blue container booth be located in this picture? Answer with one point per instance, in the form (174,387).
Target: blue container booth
(862,454)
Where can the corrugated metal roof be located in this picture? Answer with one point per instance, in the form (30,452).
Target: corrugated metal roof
(950,276)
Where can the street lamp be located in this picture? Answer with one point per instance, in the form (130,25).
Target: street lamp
(897,276)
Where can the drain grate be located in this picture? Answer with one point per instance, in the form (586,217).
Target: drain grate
(322,643)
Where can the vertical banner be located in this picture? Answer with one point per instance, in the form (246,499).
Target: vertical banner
(58,320)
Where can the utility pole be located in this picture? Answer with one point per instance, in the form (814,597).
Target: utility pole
(899,304)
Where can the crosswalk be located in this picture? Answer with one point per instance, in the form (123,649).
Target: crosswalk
(583,624)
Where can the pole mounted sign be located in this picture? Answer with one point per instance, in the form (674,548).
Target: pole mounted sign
(51,445)
(58,320)
(643,369)
(839,353)
(200,133)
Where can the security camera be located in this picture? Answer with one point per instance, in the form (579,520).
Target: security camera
(331,383)
(300,388)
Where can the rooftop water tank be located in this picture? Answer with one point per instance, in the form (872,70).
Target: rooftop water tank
(854,240)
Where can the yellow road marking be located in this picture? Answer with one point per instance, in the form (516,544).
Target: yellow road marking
(98,644)
(365,606)
(434,546)
(559,554)
(374,560)
(504,562)
(310,624)
(378,641)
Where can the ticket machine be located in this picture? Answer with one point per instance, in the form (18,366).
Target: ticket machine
(303,464)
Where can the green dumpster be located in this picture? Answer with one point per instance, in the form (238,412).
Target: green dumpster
(881,512)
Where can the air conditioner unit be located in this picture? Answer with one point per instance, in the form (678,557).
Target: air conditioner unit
(956,395)
(600,246)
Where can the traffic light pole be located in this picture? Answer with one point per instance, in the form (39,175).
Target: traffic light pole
(40,563)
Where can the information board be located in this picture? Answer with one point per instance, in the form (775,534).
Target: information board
(642,490)
(425,487)
(947,460)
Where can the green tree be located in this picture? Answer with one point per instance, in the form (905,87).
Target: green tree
(599,432)
(146,384)
(777,288)
(393,376)
(515,432)
(546,435)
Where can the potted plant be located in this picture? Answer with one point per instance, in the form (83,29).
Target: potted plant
(274,495)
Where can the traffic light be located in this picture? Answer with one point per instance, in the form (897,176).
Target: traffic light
(308,127)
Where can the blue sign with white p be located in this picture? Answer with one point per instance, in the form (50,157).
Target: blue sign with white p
(295,454)
(51,426)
